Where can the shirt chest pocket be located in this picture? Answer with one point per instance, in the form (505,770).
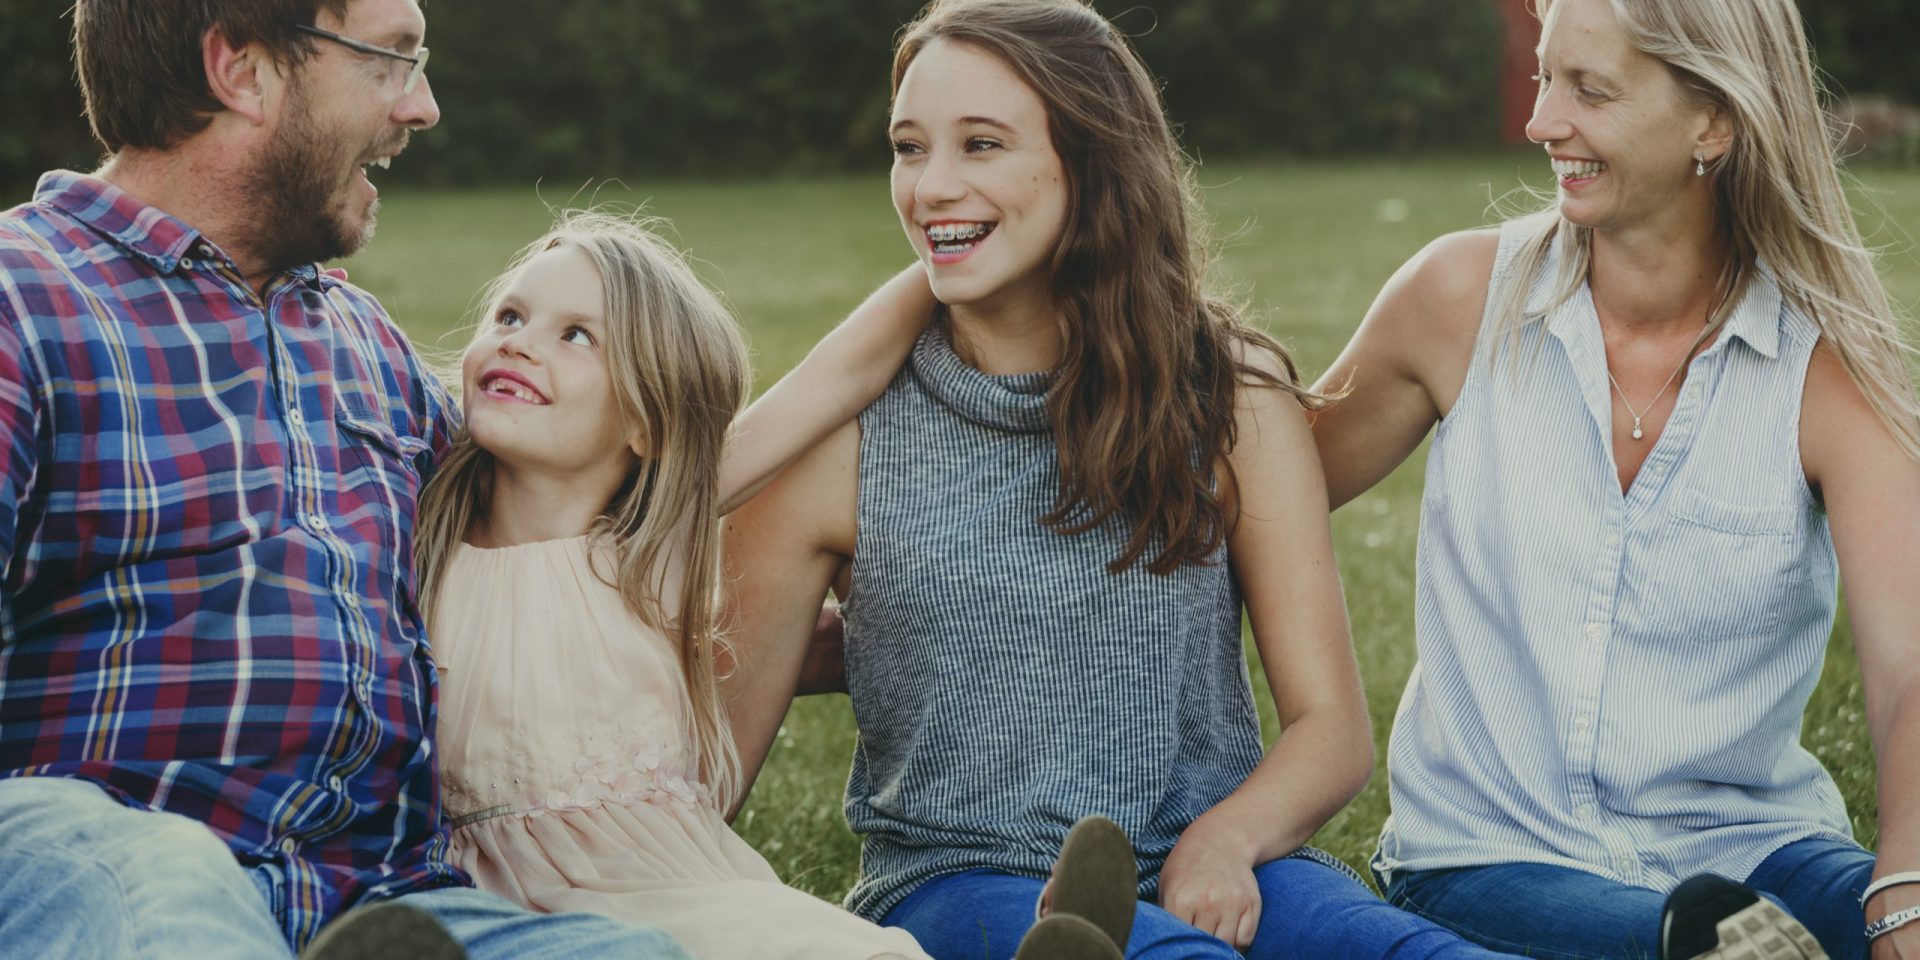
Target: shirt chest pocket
(380,488)
(1723,570)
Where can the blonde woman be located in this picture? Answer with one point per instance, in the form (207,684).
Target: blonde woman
(1669,410)
(568,553)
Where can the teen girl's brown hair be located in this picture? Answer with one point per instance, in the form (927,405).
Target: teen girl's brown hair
(1142,404)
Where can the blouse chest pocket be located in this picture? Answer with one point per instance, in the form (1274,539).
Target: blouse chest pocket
(1723,570)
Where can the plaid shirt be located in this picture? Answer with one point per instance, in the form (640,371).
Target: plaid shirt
(206,599)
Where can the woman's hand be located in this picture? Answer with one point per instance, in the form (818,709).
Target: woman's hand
(825,668)
(1902,944)
(1208,882)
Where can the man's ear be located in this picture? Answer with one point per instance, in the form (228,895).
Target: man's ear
(238,77)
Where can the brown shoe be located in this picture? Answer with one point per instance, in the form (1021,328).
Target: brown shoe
(1097,879)
(384,931)
(1063,936)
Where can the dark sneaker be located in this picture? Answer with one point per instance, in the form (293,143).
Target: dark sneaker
(1063,936)
(1097,879)
(384,931)
(1712,918)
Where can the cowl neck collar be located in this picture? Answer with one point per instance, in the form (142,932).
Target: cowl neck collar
(1016,403)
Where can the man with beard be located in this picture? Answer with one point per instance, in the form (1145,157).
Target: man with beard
(216,702)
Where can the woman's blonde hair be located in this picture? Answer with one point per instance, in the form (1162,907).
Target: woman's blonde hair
(680,374)
(1778,191)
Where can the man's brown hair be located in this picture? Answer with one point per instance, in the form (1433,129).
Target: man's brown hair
(140,67)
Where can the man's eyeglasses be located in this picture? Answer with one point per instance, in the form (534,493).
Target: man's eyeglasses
(419,60)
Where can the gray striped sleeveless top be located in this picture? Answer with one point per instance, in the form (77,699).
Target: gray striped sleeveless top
(1004,683)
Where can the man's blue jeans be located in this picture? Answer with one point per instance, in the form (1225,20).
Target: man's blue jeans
(1308,910)
(83,875)
(1559,913)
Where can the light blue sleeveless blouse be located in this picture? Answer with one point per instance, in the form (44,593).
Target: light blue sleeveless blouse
(1614,682)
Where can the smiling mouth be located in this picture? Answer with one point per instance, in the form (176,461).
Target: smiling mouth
(367,166)
(384,153)
(1570,170)
(502,387)
(956,239)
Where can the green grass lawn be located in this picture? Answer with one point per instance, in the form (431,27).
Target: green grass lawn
(1307,244)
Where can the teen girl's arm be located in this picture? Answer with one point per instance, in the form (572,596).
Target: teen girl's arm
(1871,489)
(1281,549)
(783,548)
(1405,365)
(845,371)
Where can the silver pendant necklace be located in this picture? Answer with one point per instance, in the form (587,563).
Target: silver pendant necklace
(1684,358)
(1637,414)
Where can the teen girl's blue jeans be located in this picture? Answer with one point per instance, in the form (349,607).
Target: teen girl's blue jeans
(1309,909)
(1559,913)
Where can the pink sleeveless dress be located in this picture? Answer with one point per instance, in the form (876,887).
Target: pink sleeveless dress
(569,772)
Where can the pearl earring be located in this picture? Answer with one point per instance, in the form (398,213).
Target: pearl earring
(1699,167)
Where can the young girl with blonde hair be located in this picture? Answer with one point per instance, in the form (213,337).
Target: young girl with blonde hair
(569,568)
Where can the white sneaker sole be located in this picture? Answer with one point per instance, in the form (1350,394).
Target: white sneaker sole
(1764,932)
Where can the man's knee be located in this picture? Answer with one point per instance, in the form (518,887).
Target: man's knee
(83,875)
(72,819)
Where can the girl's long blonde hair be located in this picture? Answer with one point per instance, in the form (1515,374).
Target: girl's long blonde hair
(680,375)
(1778,191)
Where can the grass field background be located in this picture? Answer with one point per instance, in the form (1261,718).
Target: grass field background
(1308,245)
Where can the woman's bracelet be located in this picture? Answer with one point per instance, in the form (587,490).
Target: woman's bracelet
(1890,880)
(1891,922)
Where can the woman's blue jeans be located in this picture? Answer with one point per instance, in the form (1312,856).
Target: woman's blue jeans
(1308,910)
(1559,913)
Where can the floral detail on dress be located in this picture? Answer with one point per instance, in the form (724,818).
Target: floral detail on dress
(649,761)
(639,771)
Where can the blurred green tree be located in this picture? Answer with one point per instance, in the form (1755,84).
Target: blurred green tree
(599,88)
(1867,46)
(41,119)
